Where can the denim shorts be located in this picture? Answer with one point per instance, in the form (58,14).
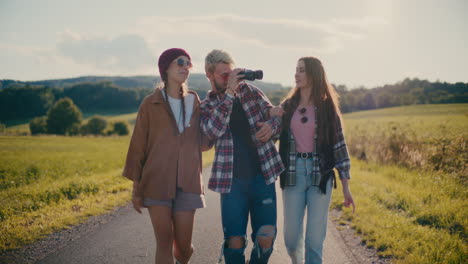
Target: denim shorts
(183,201)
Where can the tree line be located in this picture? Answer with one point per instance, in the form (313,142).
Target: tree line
(19,102)
(23,103)
(196,81)
(406,92)
(65,118)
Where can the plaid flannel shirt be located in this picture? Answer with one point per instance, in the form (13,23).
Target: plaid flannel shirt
(215,115)
(340,154)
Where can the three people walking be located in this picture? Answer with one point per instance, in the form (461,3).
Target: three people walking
(173,127)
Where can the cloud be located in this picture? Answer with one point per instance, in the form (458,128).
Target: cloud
(37,63)
(284,34)
(253,41)
(127,51)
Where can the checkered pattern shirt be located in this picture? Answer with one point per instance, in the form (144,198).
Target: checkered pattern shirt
(215,115)
(340,154)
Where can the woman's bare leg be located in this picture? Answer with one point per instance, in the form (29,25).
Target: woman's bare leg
(183,229)
(161,218)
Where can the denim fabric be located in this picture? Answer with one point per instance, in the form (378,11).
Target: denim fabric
(183,201)
(248,196)
(296,199)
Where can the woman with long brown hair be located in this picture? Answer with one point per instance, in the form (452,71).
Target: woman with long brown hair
(164,159)
(311,146)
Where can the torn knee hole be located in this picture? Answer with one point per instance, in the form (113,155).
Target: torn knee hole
(265,236)
(266,231)
(235,242)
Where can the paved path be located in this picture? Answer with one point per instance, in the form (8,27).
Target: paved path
(128,238)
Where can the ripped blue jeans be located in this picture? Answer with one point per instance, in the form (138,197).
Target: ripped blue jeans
(249,196)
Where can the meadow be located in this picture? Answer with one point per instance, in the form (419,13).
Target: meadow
(51,182)
(408,181)
(431,137)
(410,185)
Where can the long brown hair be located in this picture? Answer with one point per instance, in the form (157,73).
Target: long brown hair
(324,97)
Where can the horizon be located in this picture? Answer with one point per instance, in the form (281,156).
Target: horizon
(284,86)
(365,43)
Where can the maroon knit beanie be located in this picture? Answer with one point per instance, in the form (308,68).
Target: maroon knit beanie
(167,57)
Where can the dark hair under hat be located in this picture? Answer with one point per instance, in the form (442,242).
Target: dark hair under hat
(167,57)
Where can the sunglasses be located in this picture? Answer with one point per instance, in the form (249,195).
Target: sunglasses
(182,63)
(304,119)
(223,76)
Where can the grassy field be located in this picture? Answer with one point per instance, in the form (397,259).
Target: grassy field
(432,137)
(411,216)
(411,199)
(49,182)
(426,121)
(414,215)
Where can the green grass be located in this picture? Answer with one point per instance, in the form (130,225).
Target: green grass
(36,210)
(426,121)
(111,113)
(432,137)
(129,118)
(51,182)
(26,160)
(408,208)
(411,216)
(411,203)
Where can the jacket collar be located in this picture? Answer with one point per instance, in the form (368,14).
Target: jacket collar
(157,97)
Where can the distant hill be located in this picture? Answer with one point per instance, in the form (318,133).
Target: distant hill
(126,82)
(196,81)
(20,101)
(406,92)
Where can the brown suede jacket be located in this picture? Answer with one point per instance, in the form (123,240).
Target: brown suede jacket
(160,158)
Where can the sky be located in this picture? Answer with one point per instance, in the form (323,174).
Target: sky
(360,42)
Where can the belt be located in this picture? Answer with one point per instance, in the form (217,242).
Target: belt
(304,155)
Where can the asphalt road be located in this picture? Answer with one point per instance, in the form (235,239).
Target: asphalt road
(128,238)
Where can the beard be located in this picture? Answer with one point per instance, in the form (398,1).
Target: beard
(219,87)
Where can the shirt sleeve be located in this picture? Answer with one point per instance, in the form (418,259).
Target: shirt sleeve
(340,152)
(215,114)
(265,106)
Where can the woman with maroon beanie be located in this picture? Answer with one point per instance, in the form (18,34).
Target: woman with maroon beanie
(164,159)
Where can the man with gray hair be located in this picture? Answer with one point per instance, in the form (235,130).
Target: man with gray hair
(235,116)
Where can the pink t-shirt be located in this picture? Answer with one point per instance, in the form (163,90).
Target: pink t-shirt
(304,132)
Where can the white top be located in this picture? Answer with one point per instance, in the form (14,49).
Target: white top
(176,107)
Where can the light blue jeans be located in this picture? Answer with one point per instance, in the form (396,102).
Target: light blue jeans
(295,200)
